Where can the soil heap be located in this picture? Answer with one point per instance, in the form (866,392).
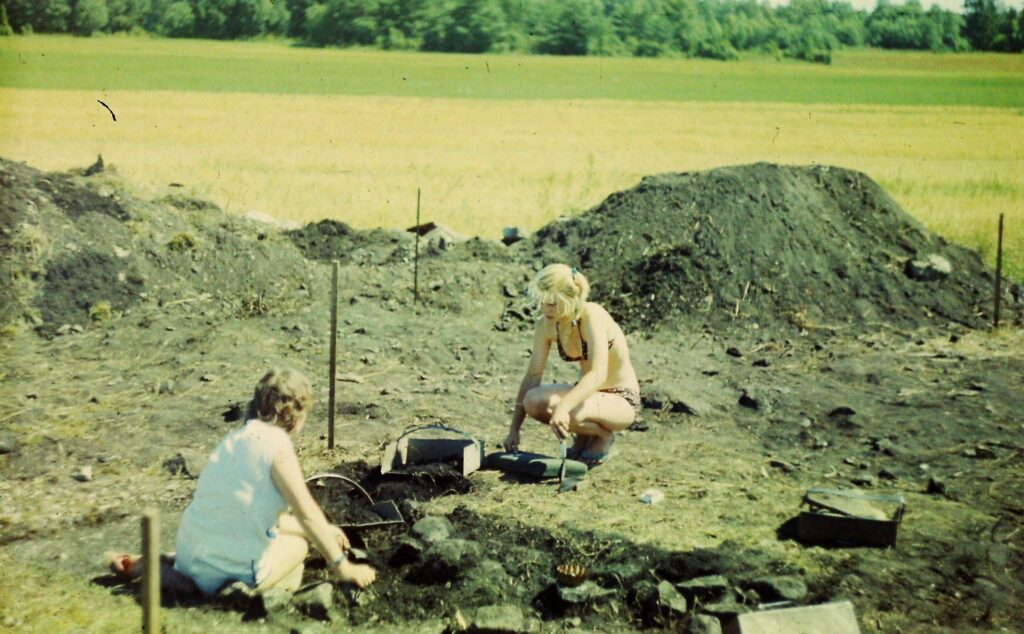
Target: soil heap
(815,246)
(77,249)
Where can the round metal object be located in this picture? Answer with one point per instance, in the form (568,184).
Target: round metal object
(571,574)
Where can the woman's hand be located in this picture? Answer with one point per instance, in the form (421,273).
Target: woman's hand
(559,423)
(361,575)
(341,538)
(511,443)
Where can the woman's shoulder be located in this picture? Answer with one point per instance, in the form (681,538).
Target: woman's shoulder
(595,311)
(263,431)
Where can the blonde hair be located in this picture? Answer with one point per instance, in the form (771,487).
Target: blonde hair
(565,287)
(281,397)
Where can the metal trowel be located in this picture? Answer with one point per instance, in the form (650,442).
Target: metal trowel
(563,451)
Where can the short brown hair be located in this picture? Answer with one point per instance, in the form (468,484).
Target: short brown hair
(280,396)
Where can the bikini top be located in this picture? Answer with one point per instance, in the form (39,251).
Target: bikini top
(583,345)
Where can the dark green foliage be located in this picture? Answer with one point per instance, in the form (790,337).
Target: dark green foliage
(127,15)
(718,29)
(89,16)
(342,22)
(51,16)
(19,14)
(5,25)
(297,17)
(904,26)
(570,27)
(178,20)
(643,27)
(990,27)
(949,27)
(395,29)
(981,23)
(465,26)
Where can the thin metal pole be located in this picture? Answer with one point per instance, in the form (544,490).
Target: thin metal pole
(334,353)
(416,257)
(999,271)
(151,571)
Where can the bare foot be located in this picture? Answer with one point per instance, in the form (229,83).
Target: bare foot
(359,574)
(124,565)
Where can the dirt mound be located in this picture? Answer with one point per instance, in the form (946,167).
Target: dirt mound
(329,240)
(79,249)
(815,246)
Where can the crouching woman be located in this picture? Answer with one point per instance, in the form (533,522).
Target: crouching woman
(237,526)
(606,398)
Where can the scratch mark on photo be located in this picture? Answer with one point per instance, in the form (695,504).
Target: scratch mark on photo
(112,115)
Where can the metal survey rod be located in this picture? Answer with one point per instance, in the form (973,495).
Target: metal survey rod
(334,354)
(999,272)
(416,257)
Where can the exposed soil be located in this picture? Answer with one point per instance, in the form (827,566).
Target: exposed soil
(814,246)
(782,337)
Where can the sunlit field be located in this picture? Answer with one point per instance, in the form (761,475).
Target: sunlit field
(509,140)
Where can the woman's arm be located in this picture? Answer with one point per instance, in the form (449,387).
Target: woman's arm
(287,475)
(534,374)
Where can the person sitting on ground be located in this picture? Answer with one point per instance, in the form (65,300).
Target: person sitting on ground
(236,527)
(606,399)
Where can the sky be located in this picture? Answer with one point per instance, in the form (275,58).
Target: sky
(949,5)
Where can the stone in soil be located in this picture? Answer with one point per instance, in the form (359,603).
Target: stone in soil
(317,602)
(703,624)
(931,268)
(447,561)
(432,529)
(780,588)
(704,588)
(8,443)
(277,602)
(669,601)
(936,486)
(664,398)
(726,609)
(586,592)
(499,619)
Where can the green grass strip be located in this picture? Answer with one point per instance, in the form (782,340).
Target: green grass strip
(856,77)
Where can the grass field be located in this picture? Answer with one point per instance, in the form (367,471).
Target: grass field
(498,140)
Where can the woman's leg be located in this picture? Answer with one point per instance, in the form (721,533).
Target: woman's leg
(600,416)
(594,421)
(541,401)
(128,566)
(284,559)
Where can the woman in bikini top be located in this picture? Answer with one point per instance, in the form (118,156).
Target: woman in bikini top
(606,399)
(583,345)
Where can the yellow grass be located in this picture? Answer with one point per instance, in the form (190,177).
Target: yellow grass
(485,164)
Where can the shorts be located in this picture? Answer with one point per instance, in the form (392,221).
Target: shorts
(211,572)
(210,579)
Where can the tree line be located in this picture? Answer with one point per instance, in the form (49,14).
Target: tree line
(719,29)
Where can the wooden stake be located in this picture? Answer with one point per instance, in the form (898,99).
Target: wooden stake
(999,272)
(416,257)
(334,354)
(151,571)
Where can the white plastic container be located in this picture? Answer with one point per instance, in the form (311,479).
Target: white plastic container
(652,496)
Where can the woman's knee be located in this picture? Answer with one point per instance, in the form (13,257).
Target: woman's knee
(538,403)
